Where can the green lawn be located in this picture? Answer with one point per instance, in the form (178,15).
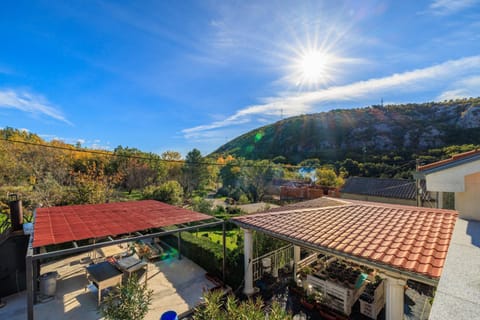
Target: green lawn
(135,195)
(216,236)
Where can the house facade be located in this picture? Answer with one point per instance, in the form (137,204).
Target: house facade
(459,174)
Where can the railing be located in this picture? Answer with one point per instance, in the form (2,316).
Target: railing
(279,258)
(307,261)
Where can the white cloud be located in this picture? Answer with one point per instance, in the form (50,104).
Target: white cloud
(445,7)
(30,103)
(468,87)
(454,75)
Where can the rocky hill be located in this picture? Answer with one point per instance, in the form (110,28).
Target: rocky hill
(356,133)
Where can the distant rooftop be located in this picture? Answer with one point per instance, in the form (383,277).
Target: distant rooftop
(412,239)
(453,161)
(78,222)
(388,188)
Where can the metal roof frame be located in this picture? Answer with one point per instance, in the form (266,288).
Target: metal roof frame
(33,255)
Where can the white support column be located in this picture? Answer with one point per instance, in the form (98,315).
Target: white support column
(439,199)
(296,258)
(395,302)
(248,254)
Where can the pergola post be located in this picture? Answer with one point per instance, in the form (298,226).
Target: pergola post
(394,288)
(439,200)
(296,259)
(224,243)
(248,255)
(179,245)
(30,286)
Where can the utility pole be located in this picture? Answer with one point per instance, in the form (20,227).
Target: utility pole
(418,190)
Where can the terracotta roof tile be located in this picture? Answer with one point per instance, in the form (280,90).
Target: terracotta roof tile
(69,223)
(404,237)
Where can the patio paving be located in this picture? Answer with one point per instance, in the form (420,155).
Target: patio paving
(177,285)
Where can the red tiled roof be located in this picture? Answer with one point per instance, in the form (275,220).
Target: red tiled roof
(453,159)
(414,239)
(69,223)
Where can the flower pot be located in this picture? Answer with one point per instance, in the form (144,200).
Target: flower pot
(307,304)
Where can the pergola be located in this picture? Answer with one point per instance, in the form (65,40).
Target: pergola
(82,228)
(403,242)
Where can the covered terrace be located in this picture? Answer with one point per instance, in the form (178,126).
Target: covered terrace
(401,242)
(70,230)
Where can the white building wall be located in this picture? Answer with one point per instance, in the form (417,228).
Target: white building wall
(468,202)
(451,179)
(464,180)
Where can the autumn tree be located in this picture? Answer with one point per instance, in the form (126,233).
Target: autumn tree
(92,186)
(327,177)
(173,164)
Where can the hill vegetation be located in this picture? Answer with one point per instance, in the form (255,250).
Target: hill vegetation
(393,134)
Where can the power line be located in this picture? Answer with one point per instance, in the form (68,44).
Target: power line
(131,156)
(157,157)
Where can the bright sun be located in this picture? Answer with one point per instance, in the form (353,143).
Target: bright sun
(312,68)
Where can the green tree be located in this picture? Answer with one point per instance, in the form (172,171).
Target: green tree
(352,167)
(257,176)
(310,163)
(195,173)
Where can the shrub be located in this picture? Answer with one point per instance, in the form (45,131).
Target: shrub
(215,307)
(132,302)
(169,192)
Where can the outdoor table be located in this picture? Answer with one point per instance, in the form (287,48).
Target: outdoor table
(103,275)
(111,251)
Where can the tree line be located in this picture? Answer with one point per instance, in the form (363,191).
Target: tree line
(55,173)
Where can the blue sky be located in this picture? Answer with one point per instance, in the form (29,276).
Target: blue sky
(178,75)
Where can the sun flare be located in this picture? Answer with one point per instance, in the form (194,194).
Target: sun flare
(312,68)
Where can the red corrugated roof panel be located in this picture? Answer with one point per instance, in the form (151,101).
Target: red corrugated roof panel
(69,223)
(415,239)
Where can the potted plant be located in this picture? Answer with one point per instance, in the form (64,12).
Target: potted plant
(308,302)
(295,288)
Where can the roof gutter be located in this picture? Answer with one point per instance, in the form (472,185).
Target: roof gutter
(388,270)
(451,164)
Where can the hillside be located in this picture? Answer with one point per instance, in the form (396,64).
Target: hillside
(363,132)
